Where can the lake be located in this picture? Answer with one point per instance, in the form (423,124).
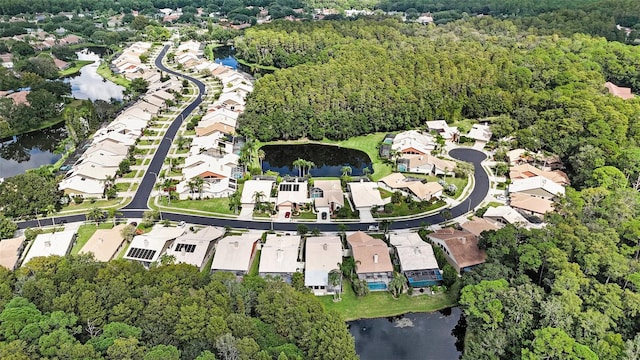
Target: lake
(89,85)
(31,150)
(329,159)
(415,336)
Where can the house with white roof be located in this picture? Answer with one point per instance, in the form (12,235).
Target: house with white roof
(106,148)
(255,186)
(221,115)
(481,134)
(291,194)
(411,186)
(147,248)
(505,215)
(441,127)
(80,186)
(10,252)
(235,254)
(192,47)
(323,254)
(373,262)
(137,112)
(216,145)
(417,260)
(538,186)
(116,137)
(413,142)
(231,100)
(90,170)
(425,164)
(327,198)
(57,243)
(195,248)
(240,87)
(279,257)
(219,175)
(365,195)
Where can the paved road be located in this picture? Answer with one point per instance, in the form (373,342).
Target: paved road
(475,198)
(141,198)
(138,205)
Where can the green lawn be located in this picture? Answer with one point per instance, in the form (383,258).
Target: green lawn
(255,266)
(216,205)
(84,234)
(382,304)
(87,204)
(385,193)
(105,72)
(306,215)
(74,67)
(130,174)
(461,183)
(402,209)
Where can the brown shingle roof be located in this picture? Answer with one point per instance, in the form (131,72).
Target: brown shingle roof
(477,225)
(371,255)
(621,92)
(462,245)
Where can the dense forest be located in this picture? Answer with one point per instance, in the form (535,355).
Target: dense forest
(77,308)
(568,291)
(350,78)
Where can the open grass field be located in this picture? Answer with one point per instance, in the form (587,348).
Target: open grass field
(75,67)
(382,304)
(217,205)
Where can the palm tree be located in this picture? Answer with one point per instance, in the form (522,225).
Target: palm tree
(235,201)
(261,155)
(257,197)
(299,164)
(309,165)
(50,210)
(113,213)
(366,171)
(335,280)
(95,214)
(347,267)
(396,285)
(167,184)
(192,186)
(346,171)
(199,183)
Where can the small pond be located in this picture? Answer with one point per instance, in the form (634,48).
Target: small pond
(89,85)
(422,336)
(329,160)
(30,150)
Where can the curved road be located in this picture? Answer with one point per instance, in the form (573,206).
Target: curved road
(138,204)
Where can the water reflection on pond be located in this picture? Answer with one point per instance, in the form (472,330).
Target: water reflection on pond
(89,85)
(422,336)
(329,160)
(31,150)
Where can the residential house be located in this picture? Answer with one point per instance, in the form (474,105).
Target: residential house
(505,215)
(529,204)
(242,88)
(481,133)
(57,243)
(215,128)
(19,97)
(373,263)
(279,257)
(441,127)
(60,64)
(412,186)
(195,248)
(147,248)
(116,137)
(7,60)
(105,244)
(231,100)
(539,186)
(192,47)
(106,148)
(323,254)
(235,254)
(417,260)
(617,91)
(83,187)
(460,248)
(291,195)
(425,164)
(527,171)
(219,175)
(10,252)
(252,187)
(220,115)
(365,196)
(413,142)
(477,225)
(216,145)
(327,197)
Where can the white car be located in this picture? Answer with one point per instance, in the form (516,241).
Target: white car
(374,228)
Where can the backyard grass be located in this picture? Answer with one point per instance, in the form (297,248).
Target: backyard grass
(382,304)
(255,266)
(105,72)
(216,205)
(385,193)
(75,67)
(130,174)
(84,234)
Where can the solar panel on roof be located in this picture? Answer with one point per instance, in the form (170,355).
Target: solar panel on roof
(144,254)
(187,247)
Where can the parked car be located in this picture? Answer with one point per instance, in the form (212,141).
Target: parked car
(374,228)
